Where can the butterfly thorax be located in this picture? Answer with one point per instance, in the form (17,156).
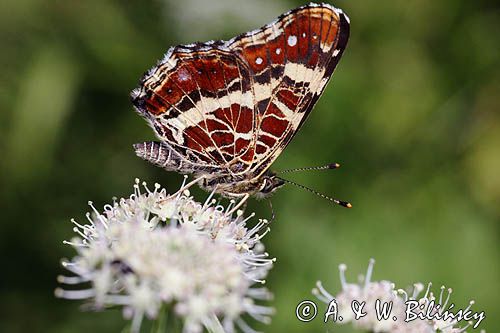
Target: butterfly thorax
(238,186)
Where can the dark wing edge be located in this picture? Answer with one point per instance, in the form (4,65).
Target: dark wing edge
(308,97)
(343,37)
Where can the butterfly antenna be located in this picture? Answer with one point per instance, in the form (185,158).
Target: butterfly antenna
(336,201)
(330,166)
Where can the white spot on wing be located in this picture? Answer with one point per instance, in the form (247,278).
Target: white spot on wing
(278,50)
(184,75)
(258,61)
(336,52)
(292,40)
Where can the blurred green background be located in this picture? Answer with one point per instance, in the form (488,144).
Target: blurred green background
(412,114)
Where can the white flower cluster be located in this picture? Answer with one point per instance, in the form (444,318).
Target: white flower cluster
(155,250)
(370,291)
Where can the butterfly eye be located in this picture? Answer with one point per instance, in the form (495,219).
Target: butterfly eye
(268,185)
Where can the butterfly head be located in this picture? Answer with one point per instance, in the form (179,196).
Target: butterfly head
(269,183)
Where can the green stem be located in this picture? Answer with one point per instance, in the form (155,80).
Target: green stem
(174,324)
(167,321)
(160,324)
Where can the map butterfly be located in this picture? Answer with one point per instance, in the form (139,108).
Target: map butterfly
(225,110)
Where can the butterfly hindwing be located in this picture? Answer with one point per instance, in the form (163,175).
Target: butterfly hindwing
(199,102)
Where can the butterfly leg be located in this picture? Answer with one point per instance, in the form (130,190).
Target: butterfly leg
(273,216)
(239,204)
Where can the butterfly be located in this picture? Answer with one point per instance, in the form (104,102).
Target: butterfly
(225,110)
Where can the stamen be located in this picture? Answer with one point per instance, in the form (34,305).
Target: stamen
(259,237)
(447,298)
(323,291)
(248,218)
(137,190)
(264,310)
(71,279)
(98,214)
(231,204)
(469,306)
(452,323)
(260,294)
(427,291)
(145,185)
(259,317)
(244,326)
(369,272)
(417,288)
(403,292)
(74,244)
(74,294)
(77,224)
(188,185)
(465,327)
(343,282)
(316,292)
(77,231)
(117,299)
(208,200)
(441,295)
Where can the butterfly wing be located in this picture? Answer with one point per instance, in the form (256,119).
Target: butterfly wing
(199,102)
(230,108)
(291,60)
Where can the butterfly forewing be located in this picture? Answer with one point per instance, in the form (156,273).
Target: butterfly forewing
(292,59)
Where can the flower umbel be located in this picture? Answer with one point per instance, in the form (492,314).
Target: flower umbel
(154,250)
(370,291)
